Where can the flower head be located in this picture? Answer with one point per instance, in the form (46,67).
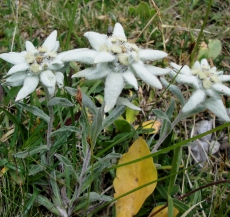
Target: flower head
(118,61)
(207,84)
(36,64)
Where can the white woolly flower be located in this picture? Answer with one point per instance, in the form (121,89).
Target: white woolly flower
(207,84)
(118,61)
(36,64)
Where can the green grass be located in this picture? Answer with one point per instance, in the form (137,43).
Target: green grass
(176,29)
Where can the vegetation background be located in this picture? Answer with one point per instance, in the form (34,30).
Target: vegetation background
(169,25)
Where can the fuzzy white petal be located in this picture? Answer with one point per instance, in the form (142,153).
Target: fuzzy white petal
(145,75)
(185,70)
(204,62)
(118,31)
(224,78)
(65,53)
(30,84)
(13,57)
(101,71)
(59,79)
(47,78)
(152,54)
(85,56)
(18,67)
(56,65)
(84,73)
(212,93)
(221,89)
(130,79)
(196,66)
(126,102)
(57,45)
(217,107)
(104,57)
(16,79)
(51,90)
(156,70)
(29,46)
(96,40)
(186,79)
(50,41)
(197,97)
(113,86)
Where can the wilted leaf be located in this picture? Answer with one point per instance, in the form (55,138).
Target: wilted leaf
(164,212)
(152,124)
(133,176)
(3,171)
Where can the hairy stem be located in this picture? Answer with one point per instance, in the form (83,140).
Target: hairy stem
(50,127)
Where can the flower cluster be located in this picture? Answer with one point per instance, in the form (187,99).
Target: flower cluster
(118,61)
(207,84)
(42,64)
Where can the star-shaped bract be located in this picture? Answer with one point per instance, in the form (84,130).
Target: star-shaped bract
(36,64)
(118,62)
(207,84)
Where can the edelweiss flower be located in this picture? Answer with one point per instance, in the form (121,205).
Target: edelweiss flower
(207,84)
(118,61)
(34,65)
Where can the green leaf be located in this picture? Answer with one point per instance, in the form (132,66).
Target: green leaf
(34,110)
(175,90)
(214,48)
(46,203)
(162,191)
(130,114)
(67,163)
(96,125)
(126,102)
(55,189)
(117,112)
(59,101)
(161,115)
(30,203)
(3,161)
(170,206)
(177,155)
(21,127)
(31,151)
(34,169)
(122,126)
(143,10)
(170,109)
(65,129)
(181,207)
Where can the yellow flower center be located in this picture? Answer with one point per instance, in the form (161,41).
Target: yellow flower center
(39,59)
(207,75)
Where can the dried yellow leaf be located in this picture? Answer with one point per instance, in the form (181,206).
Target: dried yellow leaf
(164,212)
(132,176)
(152,124)
(3,171)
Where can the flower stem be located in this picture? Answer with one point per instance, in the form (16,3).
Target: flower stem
(50,127)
